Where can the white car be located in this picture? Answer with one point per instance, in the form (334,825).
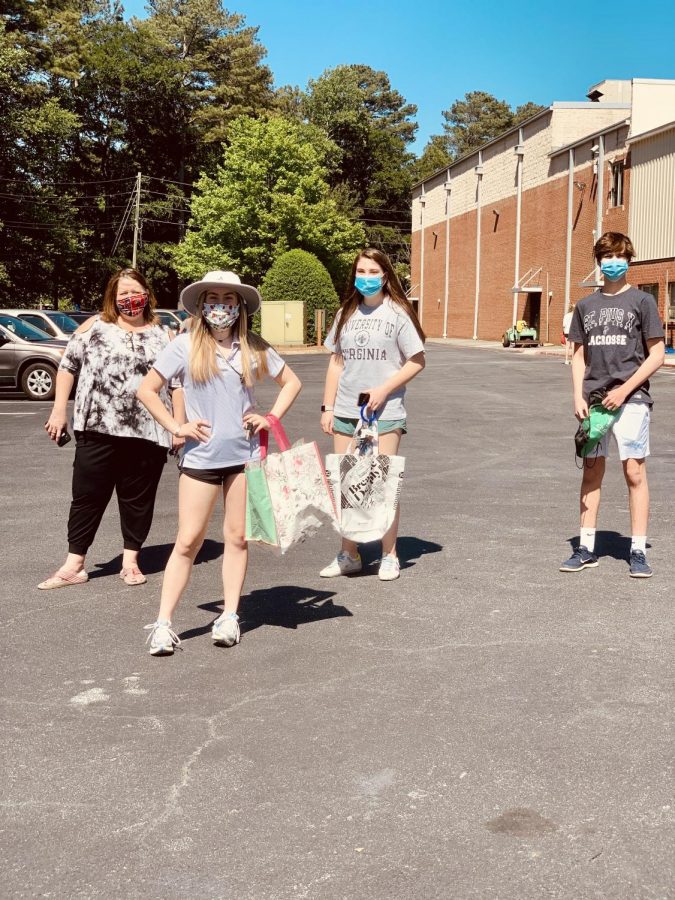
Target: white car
(59,326)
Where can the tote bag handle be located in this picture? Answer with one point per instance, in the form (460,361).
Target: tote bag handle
(279,433)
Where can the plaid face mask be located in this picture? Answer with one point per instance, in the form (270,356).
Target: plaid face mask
(132,305)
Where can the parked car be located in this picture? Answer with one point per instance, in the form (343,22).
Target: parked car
(81,315)
(171,318)
(29,358)
(56,324)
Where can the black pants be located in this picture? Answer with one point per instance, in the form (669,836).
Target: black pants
(104,463)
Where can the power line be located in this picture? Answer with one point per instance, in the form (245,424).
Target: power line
(67,199)
(53,226)
(99,181)
(123,223)
(169,180)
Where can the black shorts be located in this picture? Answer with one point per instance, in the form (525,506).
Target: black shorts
(212,476)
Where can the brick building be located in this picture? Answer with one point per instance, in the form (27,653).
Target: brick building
(506,232)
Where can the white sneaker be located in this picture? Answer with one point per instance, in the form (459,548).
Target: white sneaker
(225,631)
(343,564)
(390,568)
(162,638)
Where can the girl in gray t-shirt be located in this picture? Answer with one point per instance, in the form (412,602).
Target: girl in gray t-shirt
(216,363)
(377,347)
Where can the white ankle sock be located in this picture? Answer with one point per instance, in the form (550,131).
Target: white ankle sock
(638,543)
(587,538)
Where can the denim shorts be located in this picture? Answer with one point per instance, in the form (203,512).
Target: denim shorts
(630,431)
(384,426)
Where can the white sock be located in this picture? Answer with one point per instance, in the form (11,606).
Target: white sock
(587,538)
(638,543)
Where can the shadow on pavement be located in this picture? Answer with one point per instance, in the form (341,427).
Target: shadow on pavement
(284,606)
(153,559)
(609,543)
(409,549)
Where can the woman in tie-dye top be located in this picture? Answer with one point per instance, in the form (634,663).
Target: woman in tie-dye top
(119,446)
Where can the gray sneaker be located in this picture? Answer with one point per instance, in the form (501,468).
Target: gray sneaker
(580,559)
(390,568)
(639,568)
(225,631)
(162,639)
(343,564)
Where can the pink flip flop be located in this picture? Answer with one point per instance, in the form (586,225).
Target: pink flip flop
(132,576)
(63,578)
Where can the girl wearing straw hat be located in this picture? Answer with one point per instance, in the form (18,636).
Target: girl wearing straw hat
(217,362)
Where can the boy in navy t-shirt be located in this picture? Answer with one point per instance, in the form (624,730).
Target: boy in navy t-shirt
(618,344)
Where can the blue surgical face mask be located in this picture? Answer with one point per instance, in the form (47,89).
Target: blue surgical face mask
(368,284)
(613,269)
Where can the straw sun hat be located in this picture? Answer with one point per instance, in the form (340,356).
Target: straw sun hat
(189,296)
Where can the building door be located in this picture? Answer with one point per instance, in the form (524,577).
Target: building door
(532,313)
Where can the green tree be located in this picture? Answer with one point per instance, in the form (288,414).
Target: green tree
(526,111)
(270,194)
(39,226)
(372,125)
(469,123)
(478,118)
(435,156)
(299,275)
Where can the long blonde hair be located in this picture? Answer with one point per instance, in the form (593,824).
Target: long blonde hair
(203,349)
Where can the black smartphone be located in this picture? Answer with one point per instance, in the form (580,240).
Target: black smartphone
(364,399)
(63,439)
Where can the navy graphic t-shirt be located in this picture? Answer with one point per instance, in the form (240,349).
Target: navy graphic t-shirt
(614,329)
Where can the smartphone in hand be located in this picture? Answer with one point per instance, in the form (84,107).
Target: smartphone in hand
(63,439)
(364,399)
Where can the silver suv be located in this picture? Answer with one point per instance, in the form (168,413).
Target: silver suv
(29,359)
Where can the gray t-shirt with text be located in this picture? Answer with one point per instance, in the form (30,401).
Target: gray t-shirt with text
(614,329)
(374,344)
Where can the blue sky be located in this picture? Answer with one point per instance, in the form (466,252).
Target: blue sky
(434,52)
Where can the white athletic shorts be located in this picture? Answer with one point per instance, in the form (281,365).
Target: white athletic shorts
(631,432)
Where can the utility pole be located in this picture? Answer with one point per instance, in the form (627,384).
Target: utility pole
(137,212)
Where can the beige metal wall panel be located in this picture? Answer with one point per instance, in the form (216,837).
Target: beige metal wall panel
(652,196)
(653,104)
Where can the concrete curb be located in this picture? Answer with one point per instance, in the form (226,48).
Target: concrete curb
(546,350)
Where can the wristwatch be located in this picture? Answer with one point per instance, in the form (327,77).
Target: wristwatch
(325,408)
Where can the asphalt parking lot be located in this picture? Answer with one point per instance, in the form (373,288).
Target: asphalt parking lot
(486,727)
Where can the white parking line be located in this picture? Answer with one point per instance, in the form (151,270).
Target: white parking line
(19,414)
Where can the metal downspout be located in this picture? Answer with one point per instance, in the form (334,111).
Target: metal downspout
(448,189)
(423,201)
(600,194)
(519,150)
(479,174)
(568,242)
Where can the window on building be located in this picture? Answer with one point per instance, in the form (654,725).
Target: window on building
(616,194)
(671,301)
(652,289)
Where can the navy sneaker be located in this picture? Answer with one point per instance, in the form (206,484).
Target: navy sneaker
(580,559)
(639,567)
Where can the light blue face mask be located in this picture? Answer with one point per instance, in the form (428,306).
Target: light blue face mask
(613,269)
(368,284)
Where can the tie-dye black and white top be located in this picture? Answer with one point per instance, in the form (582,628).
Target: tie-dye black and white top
(109,364)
